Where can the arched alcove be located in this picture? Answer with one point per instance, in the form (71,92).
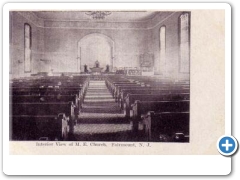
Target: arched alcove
(93,47)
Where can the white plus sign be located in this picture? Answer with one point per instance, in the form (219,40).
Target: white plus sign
(227,145)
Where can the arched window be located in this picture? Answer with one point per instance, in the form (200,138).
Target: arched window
(10,40)
(162,48)
(27,48)
(184,43)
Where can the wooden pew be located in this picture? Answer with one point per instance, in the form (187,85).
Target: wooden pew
(46,84)
(50,92)
(45,91)
(118,89)
(113,84)
(62,82)
(166,126)
(54,113)
(131,98)
(159,83)
(118,85)
(48,127)
(116,78)
(42,88)
(143,90)
(143,83)
(112,81)
(45,99)
(140,108)
(50,108)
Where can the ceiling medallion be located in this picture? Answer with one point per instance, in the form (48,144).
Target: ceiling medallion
(98,15)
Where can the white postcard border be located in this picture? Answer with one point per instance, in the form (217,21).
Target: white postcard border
(114,164)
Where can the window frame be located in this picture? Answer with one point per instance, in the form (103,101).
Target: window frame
(160,48)
(30,47)
(179,41)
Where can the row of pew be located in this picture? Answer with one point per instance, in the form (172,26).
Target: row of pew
(158,109)
(45,108)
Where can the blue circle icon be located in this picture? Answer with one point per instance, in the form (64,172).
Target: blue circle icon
(227,145)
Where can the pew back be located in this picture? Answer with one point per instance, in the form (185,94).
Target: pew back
(142,107)
(27,127)
(166,126)
(131,98)
(38,109)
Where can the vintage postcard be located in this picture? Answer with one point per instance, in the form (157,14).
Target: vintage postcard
(114,80)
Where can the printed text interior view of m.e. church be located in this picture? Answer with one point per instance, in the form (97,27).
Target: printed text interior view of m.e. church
(100,76)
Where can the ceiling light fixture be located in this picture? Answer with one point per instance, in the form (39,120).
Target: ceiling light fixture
(98,15)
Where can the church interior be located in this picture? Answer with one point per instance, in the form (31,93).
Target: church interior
(99,76)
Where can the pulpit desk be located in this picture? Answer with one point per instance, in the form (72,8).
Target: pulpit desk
(96,70)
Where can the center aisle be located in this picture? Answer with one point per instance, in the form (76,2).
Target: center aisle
(100,118)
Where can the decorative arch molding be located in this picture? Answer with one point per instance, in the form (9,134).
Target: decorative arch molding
(94,35)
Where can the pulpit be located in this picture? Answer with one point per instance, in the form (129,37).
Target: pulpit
(97,64)
(96,69)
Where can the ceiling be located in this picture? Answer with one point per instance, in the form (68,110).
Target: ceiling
(115,16)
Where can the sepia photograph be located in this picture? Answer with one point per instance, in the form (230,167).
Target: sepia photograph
(118,76)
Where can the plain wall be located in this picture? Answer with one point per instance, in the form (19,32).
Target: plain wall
(172,60)
(17,45)
(57,47)
(61,47)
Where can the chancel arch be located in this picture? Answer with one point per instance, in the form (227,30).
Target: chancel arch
(95,47)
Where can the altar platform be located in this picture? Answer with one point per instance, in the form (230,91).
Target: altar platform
(95,70)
